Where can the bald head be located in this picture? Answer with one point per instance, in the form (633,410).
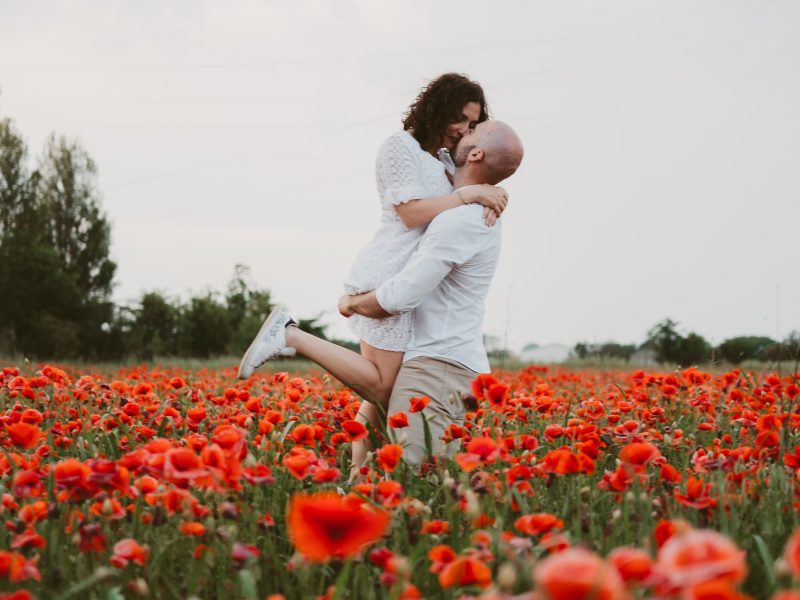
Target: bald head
(491,152)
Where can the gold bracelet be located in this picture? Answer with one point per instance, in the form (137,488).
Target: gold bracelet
(461,197)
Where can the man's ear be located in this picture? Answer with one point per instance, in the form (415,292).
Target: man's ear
(476,155)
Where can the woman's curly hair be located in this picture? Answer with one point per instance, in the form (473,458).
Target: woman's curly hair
(440,103)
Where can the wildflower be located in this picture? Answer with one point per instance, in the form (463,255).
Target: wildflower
(538,524)
(193,528)
(324,526)
(24,435)
(15,567)
(398,420)
(242,553)
(633,564)
(437,527)
(418,403)
(465,571)
(791,554)
(126,551)
(388,456)
(698,556)
(354,430)
(576,574)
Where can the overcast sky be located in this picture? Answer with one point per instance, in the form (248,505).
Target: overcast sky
(661,176)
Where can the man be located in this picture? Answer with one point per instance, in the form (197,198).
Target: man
(446,281)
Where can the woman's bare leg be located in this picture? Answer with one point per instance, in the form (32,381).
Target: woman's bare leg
(388,364)
(371,376)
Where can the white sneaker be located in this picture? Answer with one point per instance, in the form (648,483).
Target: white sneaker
(268,344)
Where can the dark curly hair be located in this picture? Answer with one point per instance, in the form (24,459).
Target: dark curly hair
(439,104)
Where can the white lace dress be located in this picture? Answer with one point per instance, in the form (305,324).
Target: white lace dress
(404,172)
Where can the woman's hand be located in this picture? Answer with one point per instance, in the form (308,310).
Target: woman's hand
(344,306)
(493,198)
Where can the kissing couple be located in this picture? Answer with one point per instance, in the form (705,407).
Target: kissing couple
(415,294)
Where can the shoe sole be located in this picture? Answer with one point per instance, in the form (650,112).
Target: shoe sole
(254,344)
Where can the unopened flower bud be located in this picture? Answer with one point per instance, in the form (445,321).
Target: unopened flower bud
(507,577)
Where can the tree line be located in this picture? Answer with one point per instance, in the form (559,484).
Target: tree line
(56,275)
(56,279)
(668,345)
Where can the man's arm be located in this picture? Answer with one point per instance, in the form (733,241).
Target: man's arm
(364,304)
(450,240)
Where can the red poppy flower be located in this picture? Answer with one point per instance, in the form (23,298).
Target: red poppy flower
(638,454)
(242,553)
(24,435)
(355,430)
(418,403)
(436,527)
(440,556)
(325,525)
(389,456)
(464,571)
(791,555)
(398,420)
(538,524)
(633,564)
(128,550)
(698,556)
(577,574)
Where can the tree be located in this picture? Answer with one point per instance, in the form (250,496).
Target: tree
(788,349)
(80,232)
(68,206)
(247,307)
(13,175)
(664,338)
(204,328)
(153,331)
(749,347)
(694,349)
(671,347)
(38,299)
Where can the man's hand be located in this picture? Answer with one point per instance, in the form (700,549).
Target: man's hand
(363,304)
(344,306)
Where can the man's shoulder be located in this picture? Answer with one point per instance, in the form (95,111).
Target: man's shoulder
(462,219)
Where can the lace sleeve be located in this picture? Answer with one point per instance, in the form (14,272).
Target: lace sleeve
(397,171)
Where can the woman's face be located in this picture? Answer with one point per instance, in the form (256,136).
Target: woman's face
(455,130)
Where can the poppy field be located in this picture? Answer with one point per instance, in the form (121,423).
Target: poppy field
(170,483)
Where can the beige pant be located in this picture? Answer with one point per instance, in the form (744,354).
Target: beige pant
(441,380)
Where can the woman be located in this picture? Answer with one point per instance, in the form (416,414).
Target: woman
(413,185)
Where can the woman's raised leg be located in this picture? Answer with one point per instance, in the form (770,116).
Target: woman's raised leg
(370,375)
(374,413)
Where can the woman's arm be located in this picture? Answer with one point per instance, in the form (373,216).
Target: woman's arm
(417,213)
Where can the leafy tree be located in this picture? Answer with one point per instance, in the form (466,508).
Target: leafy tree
(39,299)
(738,349)
(204,327)
(13,175)
(153,330)
(247,307)
(788,349)
(70,204)
(671,347)
(694,349)
(664,338)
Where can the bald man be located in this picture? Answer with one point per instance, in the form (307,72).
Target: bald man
(446,280)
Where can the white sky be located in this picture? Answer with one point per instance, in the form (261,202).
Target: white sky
(662,168)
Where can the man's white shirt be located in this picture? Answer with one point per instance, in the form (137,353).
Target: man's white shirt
(447,280)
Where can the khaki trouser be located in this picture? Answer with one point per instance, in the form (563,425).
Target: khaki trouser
(441,380)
